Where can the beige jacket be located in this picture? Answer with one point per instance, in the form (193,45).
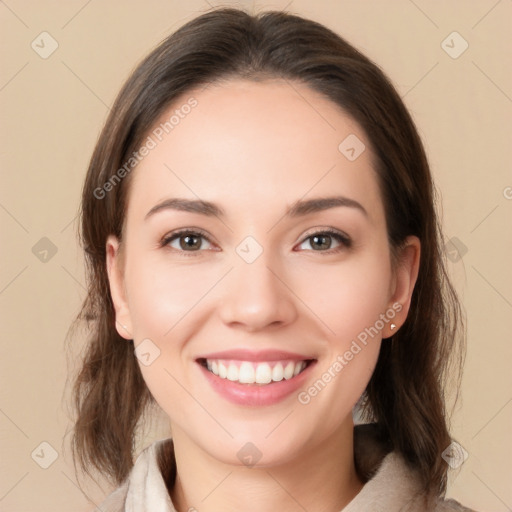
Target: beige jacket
(393,487)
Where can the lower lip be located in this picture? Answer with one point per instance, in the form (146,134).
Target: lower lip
(253,394)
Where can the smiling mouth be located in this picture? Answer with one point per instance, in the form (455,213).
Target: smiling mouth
(251,372)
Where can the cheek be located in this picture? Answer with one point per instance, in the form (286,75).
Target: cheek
(167,302)
(163,298)
(347,297)
(161,294)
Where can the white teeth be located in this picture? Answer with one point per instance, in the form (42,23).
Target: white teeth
(298,368)
(223,371)
(277,372)
(233,372)
(247,372)
(263,374)
(288,371)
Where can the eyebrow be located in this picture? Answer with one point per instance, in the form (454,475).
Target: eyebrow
(297,209)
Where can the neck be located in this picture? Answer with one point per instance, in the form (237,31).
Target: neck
(318,479)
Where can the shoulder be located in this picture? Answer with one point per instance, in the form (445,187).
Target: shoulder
(395,486)
(145,487)
(115,502)
(391,484)
(451,506)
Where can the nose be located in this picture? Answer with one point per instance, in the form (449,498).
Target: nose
(256,297)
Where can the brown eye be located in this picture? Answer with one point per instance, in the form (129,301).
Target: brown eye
(324,241)
(320,242)
(188,241)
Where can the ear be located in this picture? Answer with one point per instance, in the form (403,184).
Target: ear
(405,276)
(117,288)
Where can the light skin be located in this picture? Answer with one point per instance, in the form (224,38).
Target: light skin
(254,150)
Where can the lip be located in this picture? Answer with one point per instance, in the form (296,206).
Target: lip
(255,395)
(256,356)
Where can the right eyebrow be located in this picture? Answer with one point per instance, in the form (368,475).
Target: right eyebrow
(187,205)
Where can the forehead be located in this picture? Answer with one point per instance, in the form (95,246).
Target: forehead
(253,143)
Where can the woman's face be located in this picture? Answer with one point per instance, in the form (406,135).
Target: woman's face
(261,322)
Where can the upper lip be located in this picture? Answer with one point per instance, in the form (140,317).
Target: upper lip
(256,355)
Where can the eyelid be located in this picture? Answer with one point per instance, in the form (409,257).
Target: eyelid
(330,231)
(171,236)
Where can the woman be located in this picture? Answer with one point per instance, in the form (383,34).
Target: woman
(264,261)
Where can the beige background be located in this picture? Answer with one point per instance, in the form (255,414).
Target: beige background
(52,110)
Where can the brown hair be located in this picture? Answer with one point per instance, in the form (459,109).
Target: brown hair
(405,395)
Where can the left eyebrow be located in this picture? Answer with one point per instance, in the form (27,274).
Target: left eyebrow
(300,208)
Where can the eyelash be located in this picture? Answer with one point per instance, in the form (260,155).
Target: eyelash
(342,238)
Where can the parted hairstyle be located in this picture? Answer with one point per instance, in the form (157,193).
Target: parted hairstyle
(405,396)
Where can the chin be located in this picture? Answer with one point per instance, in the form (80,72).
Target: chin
(254,450)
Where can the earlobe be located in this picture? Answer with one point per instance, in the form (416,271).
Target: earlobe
(406,274)
(117,288)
